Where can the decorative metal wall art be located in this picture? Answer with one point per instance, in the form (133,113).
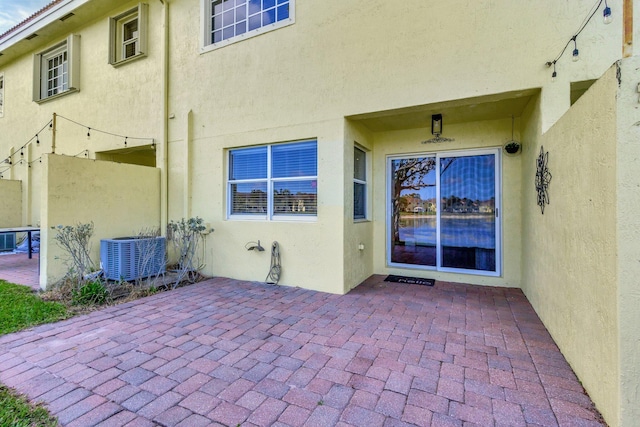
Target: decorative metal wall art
(543,178)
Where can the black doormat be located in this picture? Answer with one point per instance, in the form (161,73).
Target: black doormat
(410,280)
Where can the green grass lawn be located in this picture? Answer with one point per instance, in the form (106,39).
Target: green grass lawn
(20,308)
(16,411)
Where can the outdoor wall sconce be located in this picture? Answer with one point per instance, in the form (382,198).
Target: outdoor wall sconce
(436,125)
(436,130)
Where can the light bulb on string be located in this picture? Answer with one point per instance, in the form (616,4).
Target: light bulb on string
(125,141)
(606,14)
(37,139)
(553,74)
(576,53)
(88,133)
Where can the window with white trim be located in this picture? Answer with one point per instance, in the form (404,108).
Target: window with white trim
(1,95)
(227,21)
(271,181)
(359,183)
(128,35)
(57,70)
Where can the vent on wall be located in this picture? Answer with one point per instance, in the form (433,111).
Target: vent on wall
(132,258)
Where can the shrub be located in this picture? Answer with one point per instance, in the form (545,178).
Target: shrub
(90,293)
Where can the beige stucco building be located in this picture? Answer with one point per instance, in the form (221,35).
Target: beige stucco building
(364,136)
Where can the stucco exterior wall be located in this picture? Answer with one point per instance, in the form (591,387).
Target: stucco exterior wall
(628,233)
(570,270)
(348,57)
(11,203)
(120,200)
(311,250)
(345,59)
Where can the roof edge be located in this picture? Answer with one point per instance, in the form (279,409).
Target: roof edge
(40,19)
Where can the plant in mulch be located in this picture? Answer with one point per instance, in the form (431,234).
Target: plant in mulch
(90,293)
(75,240)
(185,237)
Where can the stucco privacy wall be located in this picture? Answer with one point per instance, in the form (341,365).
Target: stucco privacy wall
(628,232)
(311,250)
(468,136)
(11,206)
(120,200)
(570,270)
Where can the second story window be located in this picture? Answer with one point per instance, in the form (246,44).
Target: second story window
(127,40)
(55,67)
(227,21)
(57,70)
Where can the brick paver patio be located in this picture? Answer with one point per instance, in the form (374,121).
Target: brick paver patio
(18,268)
(226,352)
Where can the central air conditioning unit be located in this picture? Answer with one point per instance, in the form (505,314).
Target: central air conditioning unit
(132,258)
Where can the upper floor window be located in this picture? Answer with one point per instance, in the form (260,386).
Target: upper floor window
(128,35)
(277,180)
(227,21)
(57,70)
(1,95)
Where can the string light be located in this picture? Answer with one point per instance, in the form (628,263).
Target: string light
(9,158)
(92,129)
(606,14)
(576,53)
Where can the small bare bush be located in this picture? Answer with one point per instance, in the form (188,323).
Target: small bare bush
(185,236)
(75,240)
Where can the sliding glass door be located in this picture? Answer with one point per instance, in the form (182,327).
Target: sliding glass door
(443,211)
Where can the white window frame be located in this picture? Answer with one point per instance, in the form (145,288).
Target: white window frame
(270,181)
(206,45)
(117,44)
(71,46)
(2,95)
(357,181)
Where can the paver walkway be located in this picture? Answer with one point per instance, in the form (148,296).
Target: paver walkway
(225,352)
(18,268)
